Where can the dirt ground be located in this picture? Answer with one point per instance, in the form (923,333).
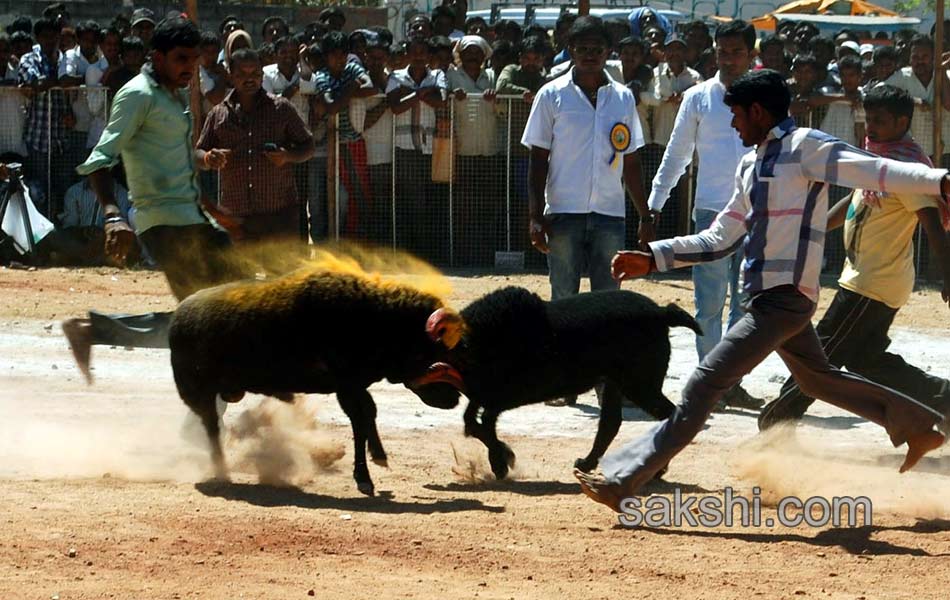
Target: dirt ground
(80,520)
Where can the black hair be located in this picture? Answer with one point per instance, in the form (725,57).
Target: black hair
(535,30)
(885,53)
(809,26)
(89,26)
(43,25)
(565,19)
(21,23)
(175,33)
(210,38)
(55,9)
(131,44)
(849,62)
(922,40)
(443,11)
(243,55)
(440,42)
(226,20)
(588,26)
(737,28)
(472,20)
(771,40)
(501,47)
(806,60)
(632,40)
(270,21)
(502,25)
(335,41)
(401,47)
(536,44)
(817,42)
(881,35)
(764,87)
(892,99)
(851,35)
(385,36)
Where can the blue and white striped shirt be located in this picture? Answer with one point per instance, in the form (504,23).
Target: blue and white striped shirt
(779,209)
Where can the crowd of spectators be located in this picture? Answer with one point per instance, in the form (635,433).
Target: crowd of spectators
(386,96)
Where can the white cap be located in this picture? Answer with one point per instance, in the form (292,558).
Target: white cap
(853,46)
(866,49)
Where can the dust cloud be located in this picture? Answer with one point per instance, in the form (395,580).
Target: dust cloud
(806,462)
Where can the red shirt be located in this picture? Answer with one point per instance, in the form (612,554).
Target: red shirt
(250,183)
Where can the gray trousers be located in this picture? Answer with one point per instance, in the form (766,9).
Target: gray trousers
(778,319)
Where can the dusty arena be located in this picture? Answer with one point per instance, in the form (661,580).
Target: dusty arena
(105,494)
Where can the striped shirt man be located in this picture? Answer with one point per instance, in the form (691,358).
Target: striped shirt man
(779,209)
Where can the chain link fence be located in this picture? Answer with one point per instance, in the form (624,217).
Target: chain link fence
(449,185)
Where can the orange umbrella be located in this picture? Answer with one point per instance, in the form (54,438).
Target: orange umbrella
(818,7)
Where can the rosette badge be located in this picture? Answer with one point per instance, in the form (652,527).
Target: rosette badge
(620,141)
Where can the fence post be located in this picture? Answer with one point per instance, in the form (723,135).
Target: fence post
(508,181)
(451,179)
(392,188)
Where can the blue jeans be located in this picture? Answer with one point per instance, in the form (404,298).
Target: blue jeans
(710,282)
(577,241)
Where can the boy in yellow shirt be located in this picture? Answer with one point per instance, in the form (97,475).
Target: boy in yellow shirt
(878,275)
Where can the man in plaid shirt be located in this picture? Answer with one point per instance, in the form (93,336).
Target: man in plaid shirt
(779,214)
(48,114)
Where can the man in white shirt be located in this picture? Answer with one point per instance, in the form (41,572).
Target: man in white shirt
(703,125)
(918,81)
(779,212)
(414,94)
(290,77)
(583,133)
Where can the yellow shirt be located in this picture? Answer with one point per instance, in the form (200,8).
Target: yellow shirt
(879,246)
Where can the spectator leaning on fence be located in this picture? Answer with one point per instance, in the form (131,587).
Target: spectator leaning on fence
(584,134)
(13,104)
(918,81)
(132,53)
(336,85)
(252,138)
(878,276)
(414,94)
(479,210)
(143,25)
(671,79)
(373,119)
(703,125)
(522,79)
(845,116)
(48,116)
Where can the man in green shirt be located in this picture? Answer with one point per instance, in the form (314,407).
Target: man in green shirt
(150,131)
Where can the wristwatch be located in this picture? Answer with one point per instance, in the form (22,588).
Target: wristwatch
(536,226)
(649,218)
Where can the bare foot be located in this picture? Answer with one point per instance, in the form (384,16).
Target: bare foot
(600,490)
(919,445)
(78,333)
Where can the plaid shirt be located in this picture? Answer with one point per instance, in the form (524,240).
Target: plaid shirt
(328,84)
(250,183)
(779,210)
(45,127)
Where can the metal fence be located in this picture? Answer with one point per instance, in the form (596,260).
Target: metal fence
(455,194)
